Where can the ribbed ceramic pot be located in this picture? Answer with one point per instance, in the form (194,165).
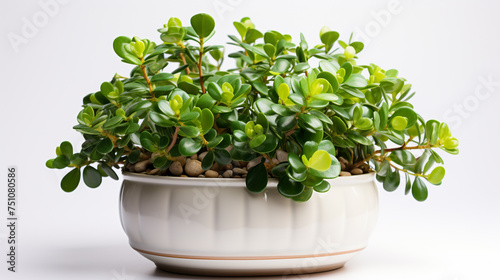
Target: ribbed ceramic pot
(211,226)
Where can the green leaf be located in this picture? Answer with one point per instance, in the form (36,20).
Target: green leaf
(358,138)
(257,141)
(147,141)
(353,91)
(392,180)
(165,108)
(189,131)
(190,146)
(323,187)
(409,114)
(304,196)
(331,79)
(91,177)
(328,38)
(296,164)
(285,124)
(112,122)
(269,49)
(280,66)
(339,125)
(134,156)
(105,146)
(159,162)
(327,145)
(71,180)
(215,141)
(252,35)
(295,175)
(432,131)
(301,67)
(207,120)
(60,162)
(66,149)
(310,121)
(356,81)
(328,66)
(408,184)
(222,156)
(188,116)
(320,160)
(364,124)
(203,24)
(268,145)
(402,157)
(208,160)
(160,77)
(436,175)
(161,120)
(257,178)
(289,188)
(419,190)
(108,170)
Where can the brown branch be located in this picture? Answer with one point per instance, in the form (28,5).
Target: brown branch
(174,139)
(143,68)
(200,72)
(420,147)
(184,62)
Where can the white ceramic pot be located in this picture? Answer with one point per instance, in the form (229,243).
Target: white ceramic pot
(216,227)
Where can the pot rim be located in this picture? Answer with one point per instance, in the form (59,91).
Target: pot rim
(231,182)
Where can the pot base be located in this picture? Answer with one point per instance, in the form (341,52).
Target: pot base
(248,266)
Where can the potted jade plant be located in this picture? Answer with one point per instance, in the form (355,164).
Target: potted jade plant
(265,168)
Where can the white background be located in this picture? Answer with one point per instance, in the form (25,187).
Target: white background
(446,49)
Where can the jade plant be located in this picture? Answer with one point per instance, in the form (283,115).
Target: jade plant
(296,112)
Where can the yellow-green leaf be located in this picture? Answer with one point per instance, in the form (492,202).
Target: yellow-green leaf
(320,161)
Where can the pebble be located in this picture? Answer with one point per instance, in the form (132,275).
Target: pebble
(236,163)
(254,162)
(275,161)
(154,171)
(229,148)
(282,156)
(236,176)
(141,166)
(345,173)
(239,171)
(220,176)
(211,174)
(227,174)
(243,163)
(184,175)
(193,168)
(181,159)
(144,156)
(228,166)
(130,167)
(342,166)
(176,168)
(356,171)
(343,160)
(202,156)
(194,157)
(201,176)
(216,167)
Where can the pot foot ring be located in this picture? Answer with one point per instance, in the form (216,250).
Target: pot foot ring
(249,266)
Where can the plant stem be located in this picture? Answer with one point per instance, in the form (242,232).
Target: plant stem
(199,66)
(174,139)
(419,147)
(184,62)
(143,68)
